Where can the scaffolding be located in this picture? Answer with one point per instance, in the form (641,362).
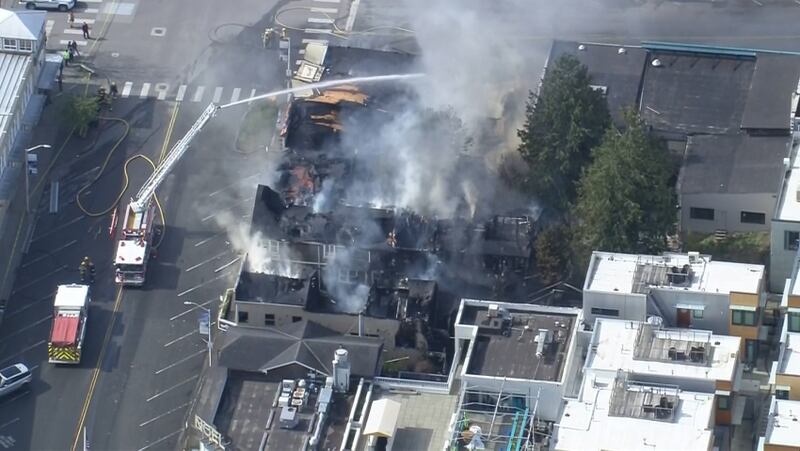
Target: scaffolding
(500,421)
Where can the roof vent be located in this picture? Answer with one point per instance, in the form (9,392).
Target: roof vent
(581,47)
(656,63)
(621,51)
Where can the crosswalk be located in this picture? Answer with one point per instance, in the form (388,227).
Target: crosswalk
(184,93)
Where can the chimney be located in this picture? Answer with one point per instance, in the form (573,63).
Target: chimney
(341,371)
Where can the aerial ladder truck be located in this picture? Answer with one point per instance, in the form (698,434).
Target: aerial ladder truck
(135,244)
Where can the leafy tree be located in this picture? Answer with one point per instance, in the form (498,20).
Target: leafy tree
(626,202)
(82,111)
(553,254)
(562,126)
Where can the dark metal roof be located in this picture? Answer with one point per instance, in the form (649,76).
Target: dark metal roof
(734,164)
(620,73)
(695,93)
(769,102)
(305,343)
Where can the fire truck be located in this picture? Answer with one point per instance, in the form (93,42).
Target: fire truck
(70,312)
(135,243)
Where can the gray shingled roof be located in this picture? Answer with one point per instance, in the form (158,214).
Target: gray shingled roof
(305,343)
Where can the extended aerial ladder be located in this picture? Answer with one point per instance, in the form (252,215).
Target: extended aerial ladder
(135,243)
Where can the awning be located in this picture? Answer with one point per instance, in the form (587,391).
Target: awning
(382,419)
(65,331)
(746,308)
(690,307)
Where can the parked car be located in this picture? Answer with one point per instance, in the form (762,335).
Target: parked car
(13,378)
(61,5)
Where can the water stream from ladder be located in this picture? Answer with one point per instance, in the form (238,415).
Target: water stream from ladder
(326,84)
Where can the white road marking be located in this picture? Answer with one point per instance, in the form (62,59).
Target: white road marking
(315,41)
(66,41)
(325,10)
(161,440)
(164,414)
(324,20)
(235,95)
(62,226)
(81,20)
(318,31)
(217,94)
(200,243)
(328,1)
(227,264)
(49,297)
(92,1)
(181,93)
(126,89)
(48,27)
(192,268)
(194,307)
(172,342)
(202,284)
(72,31)
(166,390)
(173,365)
(91,11)
(24,350)
(29,326)
(351,16)
(9,423)
(252,94)
(39,279)
(145,90)
(198,95)
(49,254)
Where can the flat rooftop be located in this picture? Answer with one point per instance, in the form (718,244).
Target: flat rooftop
(502,338)
(628,273)
(788,206)
(640,348)
(244,408)
(783,426)
(423,420)
(610,416)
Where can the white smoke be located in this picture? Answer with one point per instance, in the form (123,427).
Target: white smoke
(263,255)
(351,294)
(322,199)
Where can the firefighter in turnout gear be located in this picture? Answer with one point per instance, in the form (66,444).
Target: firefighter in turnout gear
(87,266)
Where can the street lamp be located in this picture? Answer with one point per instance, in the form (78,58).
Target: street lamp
(27,178)
(208,328)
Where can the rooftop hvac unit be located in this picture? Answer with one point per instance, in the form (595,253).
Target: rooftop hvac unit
(694,256)
(543,338)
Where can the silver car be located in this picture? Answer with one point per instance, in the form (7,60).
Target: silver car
(61,5)
(13,378)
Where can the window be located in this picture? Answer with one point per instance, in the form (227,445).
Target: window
(782,392)
(723,402)
(242,316)
(269,319)
(790,240)
(26,46)
(749,217)
(605,311)
(9,44)
(702,213)
(743,318)
(794,321)
(697,314)
(297,319)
